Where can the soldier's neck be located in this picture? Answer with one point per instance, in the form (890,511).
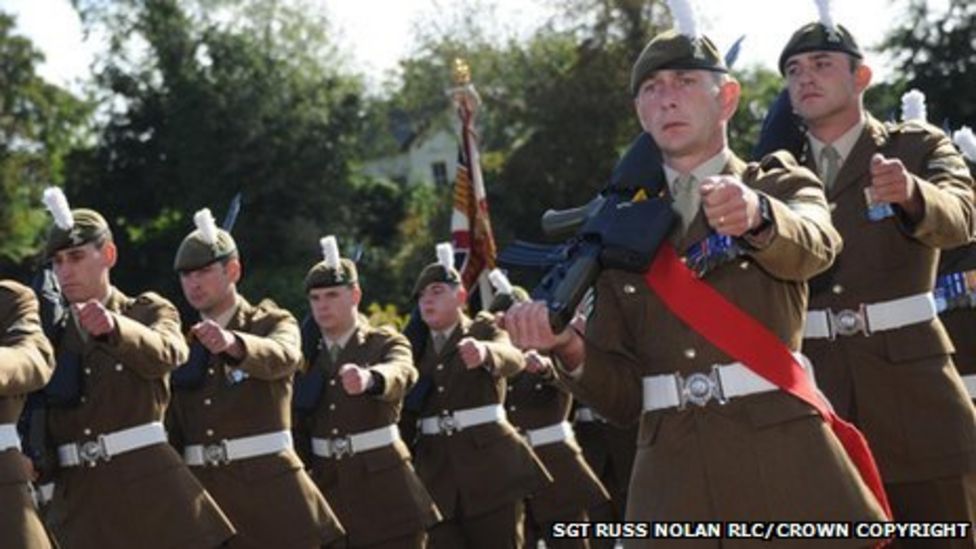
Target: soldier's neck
(347,326)
(223,306)
(829,129)
(685,162)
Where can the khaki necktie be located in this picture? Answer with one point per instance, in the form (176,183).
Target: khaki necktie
(829,165)
(686,199)
(439,341)
(334,351)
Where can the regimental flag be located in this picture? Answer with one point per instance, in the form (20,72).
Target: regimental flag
(471,235)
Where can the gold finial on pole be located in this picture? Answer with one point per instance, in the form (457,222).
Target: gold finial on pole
(462,72)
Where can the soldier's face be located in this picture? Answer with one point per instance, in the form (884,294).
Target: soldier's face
(334,309)
(685,110)
(208,288)
(82,271)
(824,85)
(440,304)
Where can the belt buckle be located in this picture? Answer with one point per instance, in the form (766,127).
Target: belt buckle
(448,425)
(848,322)
(699,388)
(92,451)
(216,454)
(340,447)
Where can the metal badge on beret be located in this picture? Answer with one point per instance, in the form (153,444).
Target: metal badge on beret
(442,271)
(683,47)
(822,35)
(72,227)
(205,245)
(332,270)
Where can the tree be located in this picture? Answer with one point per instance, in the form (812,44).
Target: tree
(207,99)
(935,53)
(39,123)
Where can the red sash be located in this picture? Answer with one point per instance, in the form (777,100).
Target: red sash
(710,314)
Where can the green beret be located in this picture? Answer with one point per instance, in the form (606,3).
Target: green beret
(435,272)
(503,302)
(816,37)
(89,228)
(194,252)
(323,276)
(675,51)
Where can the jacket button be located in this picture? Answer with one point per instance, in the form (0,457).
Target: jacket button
(439,367)
(207,401)
(744,265)
(118,367)
(837,289)
(440,389)
(211,371)
(511,408)
(210,432)
(332,382)
(832,206)
(690,353)
(87,371)
(538,386)
(87,432)
(629,289)
(332,406)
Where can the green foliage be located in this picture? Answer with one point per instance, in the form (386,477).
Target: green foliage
(213,98)
(39,124)
(936,53)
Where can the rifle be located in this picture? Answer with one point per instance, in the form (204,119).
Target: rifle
(620,229)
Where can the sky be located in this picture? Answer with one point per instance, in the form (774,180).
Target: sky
(377,33)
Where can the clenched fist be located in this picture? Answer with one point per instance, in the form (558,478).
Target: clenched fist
(94,318)
(730,207)
(355,380)
(473,352)
(891,182)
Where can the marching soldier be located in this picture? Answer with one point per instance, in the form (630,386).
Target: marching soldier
(539,407)
(705,358)
(231,405)
(609,451)
(119,483)
(956,288)
(26,364)
(898,193)
(347,406)
(470,457)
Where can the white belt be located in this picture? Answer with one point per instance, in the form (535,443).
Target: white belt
(104,447)
(870,318)
(8,437)
(722,383)
(547,435)
(585,414)
(459,420)
(339,447)
(235,449)
(970,382)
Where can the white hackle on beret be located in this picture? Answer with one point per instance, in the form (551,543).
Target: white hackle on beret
(330,251)
(207,225)
(445,255)
(685,19)
(57,204)
(500,282)
(826,11)
(966,141)
(913,106)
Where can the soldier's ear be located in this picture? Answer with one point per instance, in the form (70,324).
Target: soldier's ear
(234,269)
(110,254)
(357,294)
(728,96)
(862,77)
(462,295)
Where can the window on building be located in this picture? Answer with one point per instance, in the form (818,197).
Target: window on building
(440,173)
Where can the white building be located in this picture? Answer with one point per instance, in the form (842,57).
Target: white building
(426,156)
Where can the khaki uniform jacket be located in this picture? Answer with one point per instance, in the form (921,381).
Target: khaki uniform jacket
(26,365)
(486,466)
(147,497)
(898,386)
(765,456)
(270,499)
(961,325)
(377,494)
(535,402)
